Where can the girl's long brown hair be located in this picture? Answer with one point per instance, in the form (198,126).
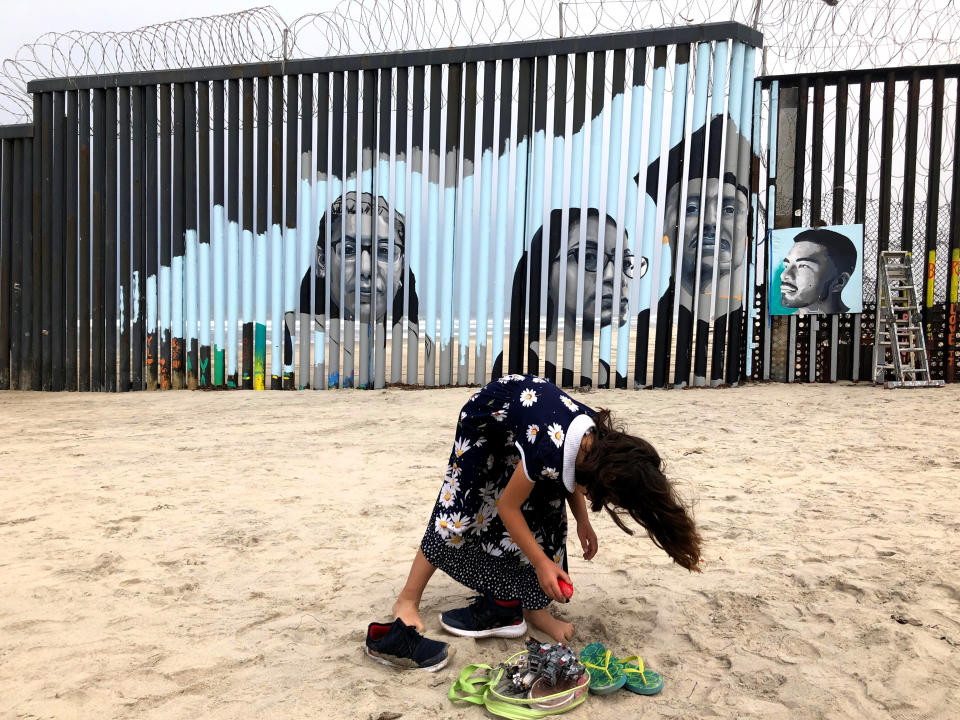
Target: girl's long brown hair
(624,475)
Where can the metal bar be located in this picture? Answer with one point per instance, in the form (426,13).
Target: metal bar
(178,185)
(500,227)
(449,234)
(218,239)
(276,236)
(123,239)
(98,260)
(735,309)
(204,355)
(570,290)
(305,232)
(382,190)
(15,258)
(333,290)
(465,249)
(840,354)
(190,240)
(816,197)
(798,337)
(138,262)
(630,214)
(886,162)
(484,241)
(688,213)
(725,316)
(233,232)
(663,340)
(433,230)
(318,293)
(46,240)
(933,205)
(6,243)
(16,132)
(290,234)
(27,295)
(412,262)
(110,279)
(151,232)
(58,245)
(398,225)
(366,270)
(864,131)
(617,286)
(473,53)
(555,308)
(901,73)
(165,185)
(534,234)
(649,221)
(260,242)
(705,296)
(953,327)
(595,165)
(910,163)
(246,264)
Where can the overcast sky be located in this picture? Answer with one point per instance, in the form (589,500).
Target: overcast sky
(23,22)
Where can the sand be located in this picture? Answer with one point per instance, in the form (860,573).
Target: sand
(219,555)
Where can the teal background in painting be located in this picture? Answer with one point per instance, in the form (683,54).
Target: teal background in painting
(780,243)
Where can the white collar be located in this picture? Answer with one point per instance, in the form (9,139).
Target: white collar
(579,427)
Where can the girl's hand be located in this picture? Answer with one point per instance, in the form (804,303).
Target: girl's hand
(548,572)
(588,539)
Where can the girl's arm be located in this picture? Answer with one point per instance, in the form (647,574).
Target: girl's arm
(511,500)
(588,538)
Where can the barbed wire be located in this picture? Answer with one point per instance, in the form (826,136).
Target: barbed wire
(799,35)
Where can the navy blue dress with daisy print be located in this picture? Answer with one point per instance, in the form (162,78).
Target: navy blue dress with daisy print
(516,419)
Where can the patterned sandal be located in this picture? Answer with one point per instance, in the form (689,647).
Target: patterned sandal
(606,674)
(639,680)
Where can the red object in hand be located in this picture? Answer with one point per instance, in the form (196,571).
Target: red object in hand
(565,588)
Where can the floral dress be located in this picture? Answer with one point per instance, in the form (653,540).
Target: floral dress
(516,419)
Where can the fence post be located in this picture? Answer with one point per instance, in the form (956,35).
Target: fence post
(783,217)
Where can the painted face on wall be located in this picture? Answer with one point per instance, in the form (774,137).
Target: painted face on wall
(720,239)
(352,242)
(809,277)
(599,255)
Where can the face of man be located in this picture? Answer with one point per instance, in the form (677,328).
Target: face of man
(595,256)
(720,240)
(374,264)
(809,276)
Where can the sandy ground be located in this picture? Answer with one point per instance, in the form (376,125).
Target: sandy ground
(218,555)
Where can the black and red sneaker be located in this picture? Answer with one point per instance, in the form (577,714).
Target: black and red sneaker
(400,645)
(486,617)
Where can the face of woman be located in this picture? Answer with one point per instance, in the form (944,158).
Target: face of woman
(599,255)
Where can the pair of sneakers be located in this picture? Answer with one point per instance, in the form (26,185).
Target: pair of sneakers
(400,645)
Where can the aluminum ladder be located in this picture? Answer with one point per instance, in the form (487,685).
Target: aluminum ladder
(899,326)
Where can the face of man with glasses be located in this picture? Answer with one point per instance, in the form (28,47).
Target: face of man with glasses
(599,255)
(364,239)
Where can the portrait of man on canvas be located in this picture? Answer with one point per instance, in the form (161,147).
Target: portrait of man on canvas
(816,271)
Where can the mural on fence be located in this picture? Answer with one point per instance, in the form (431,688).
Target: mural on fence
(395,237)
(817,270)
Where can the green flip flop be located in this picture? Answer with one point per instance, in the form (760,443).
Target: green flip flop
(639,680)
(606,674)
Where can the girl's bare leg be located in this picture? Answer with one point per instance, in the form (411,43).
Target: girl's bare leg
(407,606)
(557,629)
